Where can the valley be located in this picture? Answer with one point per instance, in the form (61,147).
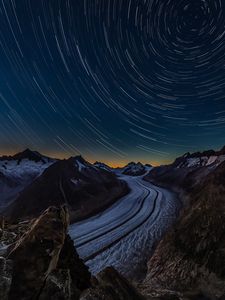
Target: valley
(137,232)
(133,225)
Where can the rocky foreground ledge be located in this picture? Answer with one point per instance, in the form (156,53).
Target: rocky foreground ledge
(39,262)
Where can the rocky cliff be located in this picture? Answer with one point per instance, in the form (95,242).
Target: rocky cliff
(39,262)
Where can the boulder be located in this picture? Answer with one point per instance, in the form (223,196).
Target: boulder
(111,286)
(45,262)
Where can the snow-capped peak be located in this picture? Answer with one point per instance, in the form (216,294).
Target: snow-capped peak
(208,158)
(24,165)
(134,169)
(102,166)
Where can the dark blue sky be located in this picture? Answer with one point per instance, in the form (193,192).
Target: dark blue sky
(113,80)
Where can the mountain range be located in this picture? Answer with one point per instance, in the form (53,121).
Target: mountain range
(187,171)
(187,263)
(32,182)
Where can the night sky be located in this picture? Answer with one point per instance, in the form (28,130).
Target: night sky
(113,80)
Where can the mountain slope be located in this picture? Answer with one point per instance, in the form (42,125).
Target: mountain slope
(18,171)
(85,188)
(187,171)
(190,258)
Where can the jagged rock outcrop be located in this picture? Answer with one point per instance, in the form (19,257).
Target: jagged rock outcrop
(69,278)
(42,264)
(36,256)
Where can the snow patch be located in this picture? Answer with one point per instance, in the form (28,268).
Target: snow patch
(11,168)
(75,181)
(80,166)
(203,161)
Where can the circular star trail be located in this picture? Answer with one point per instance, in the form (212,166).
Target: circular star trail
(113,80)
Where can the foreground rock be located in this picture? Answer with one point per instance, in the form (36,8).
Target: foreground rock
(111,285)
(43,264)
(5,277)
(43,258)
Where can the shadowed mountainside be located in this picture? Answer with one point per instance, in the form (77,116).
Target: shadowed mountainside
(186,171)
(190,258)
(85,189)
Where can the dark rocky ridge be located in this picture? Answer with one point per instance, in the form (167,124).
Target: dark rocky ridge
(84,188)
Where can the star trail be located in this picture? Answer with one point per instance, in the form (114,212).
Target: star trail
(114,80)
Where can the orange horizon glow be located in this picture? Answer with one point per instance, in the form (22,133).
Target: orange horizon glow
(111,163)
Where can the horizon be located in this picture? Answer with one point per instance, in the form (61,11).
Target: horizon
(61,156)
(114,164)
